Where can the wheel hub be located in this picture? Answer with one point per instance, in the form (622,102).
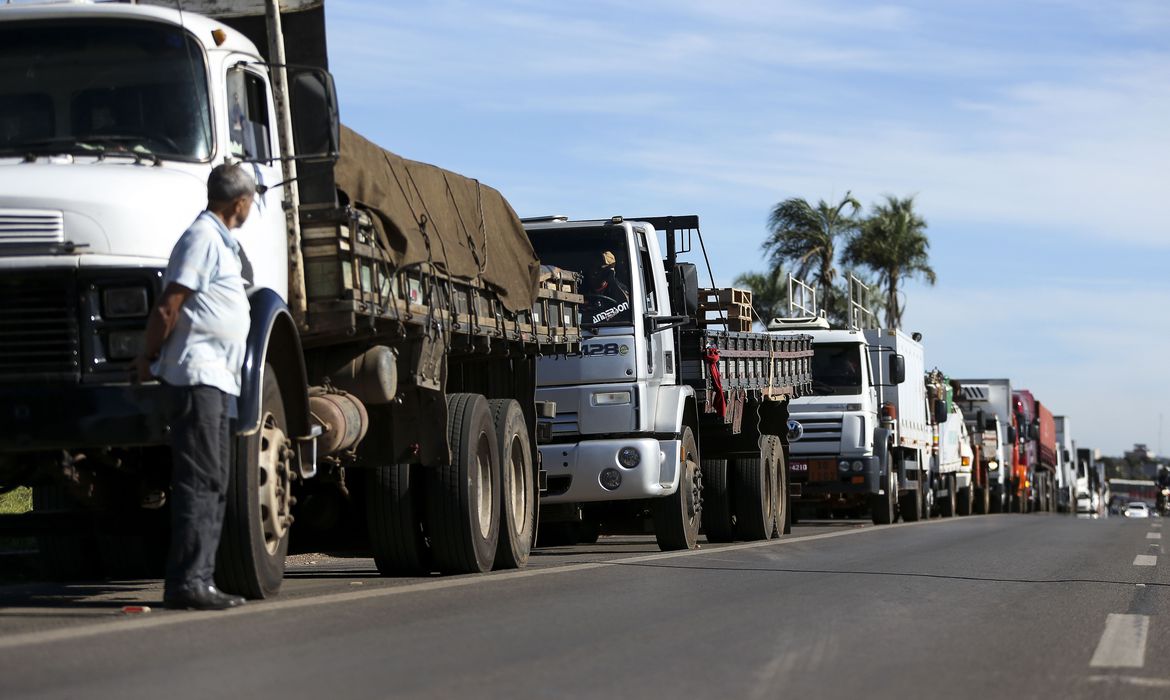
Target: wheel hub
(275,484)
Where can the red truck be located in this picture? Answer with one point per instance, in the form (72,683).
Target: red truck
(1035,454)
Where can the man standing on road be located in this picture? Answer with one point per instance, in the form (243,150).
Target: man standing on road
(195,345)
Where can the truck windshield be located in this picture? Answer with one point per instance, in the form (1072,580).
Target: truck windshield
(836,369)
(600,256)
(102,87)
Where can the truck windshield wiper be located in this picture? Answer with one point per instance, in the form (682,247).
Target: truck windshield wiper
(86,145)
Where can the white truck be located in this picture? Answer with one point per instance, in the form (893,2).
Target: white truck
(952,456)
(390,373)
(661,420)
(1066,468)
(866,435)
(988,403)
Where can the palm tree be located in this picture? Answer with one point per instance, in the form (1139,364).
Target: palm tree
(769,293)
(892,242)
(807,236)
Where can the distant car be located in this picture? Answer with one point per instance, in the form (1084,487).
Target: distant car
(1136,510)
(1084,504)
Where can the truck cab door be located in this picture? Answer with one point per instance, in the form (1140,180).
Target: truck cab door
(250,127)
(659,347)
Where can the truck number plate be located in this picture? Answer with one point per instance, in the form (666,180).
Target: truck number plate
(798,466)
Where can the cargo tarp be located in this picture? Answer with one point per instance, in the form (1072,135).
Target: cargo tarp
(427,214)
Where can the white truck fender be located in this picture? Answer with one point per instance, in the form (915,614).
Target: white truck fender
(671,409)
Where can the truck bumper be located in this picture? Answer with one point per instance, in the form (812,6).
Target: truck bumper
(46,417)
(575,470)
(813,482)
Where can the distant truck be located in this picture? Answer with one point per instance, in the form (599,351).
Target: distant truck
(953,463)
(389,380)
(1066,468)
(866,433)
(663,419)
(1038,450)
(990,402)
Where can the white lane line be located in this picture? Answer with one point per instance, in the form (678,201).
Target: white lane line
(1157,525)
(168,619)
(1153,535)
(1123,643)
(1145,560)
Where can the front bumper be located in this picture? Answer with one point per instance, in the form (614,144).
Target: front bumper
(574,470)
(57,416)
(815,482)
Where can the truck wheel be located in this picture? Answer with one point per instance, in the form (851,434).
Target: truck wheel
(883,508)
(517,485)
(995,502)
(965,501)
(755,494)
(677,517)
(948,504)
(250,560)
(787,517)
(718,519)
(463,502)
(64,557)
(394,502)
(913,504)
(980,504)
(782,524)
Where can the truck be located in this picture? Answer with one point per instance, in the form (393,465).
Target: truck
(668,420)
(953,454)
(1038,451)
(397,311)
(989,403)
(988,454)
(1066,468)
(866,434)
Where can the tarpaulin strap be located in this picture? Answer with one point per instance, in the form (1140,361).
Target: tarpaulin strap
(711,354)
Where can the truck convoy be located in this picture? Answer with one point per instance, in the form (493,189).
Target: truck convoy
(866,434)
(662,419)
(397,316)
(1038,437)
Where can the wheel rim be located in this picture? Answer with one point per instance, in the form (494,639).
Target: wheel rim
(518,486)
(694,500)
(483,485)
(274,487)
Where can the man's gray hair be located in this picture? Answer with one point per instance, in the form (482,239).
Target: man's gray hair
(229,182)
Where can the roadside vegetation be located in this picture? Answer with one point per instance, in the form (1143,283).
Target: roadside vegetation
(820,243)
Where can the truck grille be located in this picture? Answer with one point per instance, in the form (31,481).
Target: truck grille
(820,430)
(38,327)
(31,227)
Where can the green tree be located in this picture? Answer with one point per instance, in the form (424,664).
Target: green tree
(892,242)
(806,237)
(769,293)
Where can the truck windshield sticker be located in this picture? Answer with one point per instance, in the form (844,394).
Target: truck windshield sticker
(611,313)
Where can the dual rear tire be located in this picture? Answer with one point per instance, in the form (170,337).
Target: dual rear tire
(746,498)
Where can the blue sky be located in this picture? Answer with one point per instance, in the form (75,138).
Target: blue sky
(1035,135)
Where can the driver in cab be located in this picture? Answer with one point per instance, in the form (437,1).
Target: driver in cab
(607,297)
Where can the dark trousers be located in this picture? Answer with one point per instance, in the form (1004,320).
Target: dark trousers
(199,417)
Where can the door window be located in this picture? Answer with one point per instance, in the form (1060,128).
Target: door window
(248,120)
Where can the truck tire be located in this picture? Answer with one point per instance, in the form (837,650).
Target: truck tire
(718,518)
(948,504)
(787,517)
(64,557)
(980,504)
(463,502)
(250,560)
(783,521)
(395,498)
(755,494)
(912,505)
(883,508)
(517,485)
(995,502)
(677,517)
(965,501)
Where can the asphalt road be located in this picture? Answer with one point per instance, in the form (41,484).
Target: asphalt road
(1031,606)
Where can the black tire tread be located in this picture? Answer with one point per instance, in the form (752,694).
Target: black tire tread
(393,518)
(511,554)
(718,518)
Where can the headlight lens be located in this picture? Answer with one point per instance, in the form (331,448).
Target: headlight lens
(124,345)
(843,465)
(992,465)
(629,457)
(858,466)
(610,479)
(125,302)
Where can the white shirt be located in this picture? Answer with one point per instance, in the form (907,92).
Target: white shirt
(207,344)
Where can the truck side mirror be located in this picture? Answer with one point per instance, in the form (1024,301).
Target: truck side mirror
(316,124)
(897,369)
(990,424)
(684,289)
(1012,434)
(940,411)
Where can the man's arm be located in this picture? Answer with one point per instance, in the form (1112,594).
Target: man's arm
(159,326)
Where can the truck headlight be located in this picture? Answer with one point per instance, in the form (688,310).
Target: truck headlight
(858,466)
(629,457)
(843,465)
(125,302)
(124,345)
(610,479)
(992,465)
(611,398)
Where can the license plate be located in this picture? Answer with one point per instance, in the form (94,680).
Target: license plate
(798,466)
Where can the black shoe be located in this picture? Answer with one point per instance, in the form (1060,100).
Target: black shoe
(200,598)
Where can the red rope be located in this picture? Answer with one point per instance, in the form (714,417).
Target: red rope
(712,357)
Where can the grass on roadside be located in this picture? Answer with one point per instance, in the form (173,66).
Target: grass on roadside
(16,502)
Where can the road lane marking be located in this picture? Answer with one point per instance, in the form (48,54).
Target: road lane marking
(1153,535)
(1123,643)
(1132,680)
(1145,560)
(176,618)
